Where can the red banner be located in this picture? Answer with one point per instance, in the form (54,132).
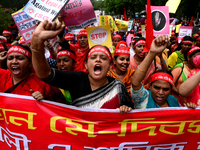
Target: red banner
(26,124)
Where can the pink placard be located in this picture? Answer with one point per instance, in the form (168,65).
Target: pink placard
(78,14)
(184,31)
(25,24)
(160,20)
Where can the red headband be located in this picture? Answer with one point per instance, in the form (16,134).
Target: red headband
(121,44)
(122,51)
(187,42)
(21,41)
(69,37)
(66,53)
(117,36)
(7,32)
(2,47)
(2,41)
(139,42)
(198,39)
(99,49)
(196,48)
(162,76)
(82,33)
(18,49)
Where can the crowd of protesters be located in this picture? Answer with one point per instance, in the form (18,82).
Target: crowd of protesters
(125,78)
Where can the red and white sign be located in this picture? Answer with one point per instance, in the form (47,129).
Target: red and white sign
(99,36)
(26,124)
(184,31)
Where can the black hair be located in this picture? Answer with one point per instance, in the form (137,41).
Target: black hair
(101,46)
(185,38)
(138,39)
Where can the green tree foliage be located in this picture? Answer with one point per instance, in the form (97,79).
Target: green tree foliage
(6,18)
(15,4)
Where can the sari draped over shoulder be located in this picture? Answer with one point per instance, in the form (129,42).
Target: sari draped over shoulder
(127,79)
(111,96)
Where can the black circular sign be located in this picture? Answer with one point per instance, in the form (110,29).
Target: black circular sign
(158,20)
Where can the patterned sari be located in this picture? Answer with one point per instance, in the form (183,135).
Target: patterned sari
(111,96)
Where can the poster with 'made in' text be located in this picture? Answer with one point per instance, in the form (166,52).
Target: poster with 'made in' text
(44,9)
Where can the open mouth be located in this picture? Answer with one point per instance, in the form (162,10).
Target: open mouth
(124,67)
(15,70)
(97,69)
(159,98)
(63,69)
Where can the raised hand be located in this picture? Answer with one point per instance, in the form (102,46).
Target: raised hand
(46,30)
(159,44)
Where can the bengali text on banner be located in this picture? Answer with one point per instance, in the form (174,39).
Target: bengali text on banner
(26,124)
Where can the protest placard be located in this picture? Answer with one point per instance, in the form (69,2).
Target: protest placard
(25,24)
(121,25)
(184,31)
(100,35)
(160,20)
(44,9)
(78,14)
(108,20)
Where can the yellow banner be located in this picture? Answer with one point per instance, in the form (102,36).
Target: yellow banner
(121,24)
(108,20)
(100,35)
(177,28)
(173,5)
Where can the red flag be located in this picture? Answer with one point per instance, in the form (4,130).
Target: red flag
(125,18)
(149,28)
(191,22)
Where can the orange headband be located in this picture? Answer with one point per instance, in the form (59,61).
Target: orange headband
(162,76)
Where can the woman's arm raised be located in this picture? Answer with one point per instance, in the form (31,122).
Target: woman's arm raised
(46,30)
(157,46)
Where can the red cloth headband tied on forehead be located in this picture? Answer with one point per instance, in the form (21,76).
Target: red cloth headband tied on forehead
(196,48)
(198,39)
(187,42)
(2,47)
(69,37)
(122,51)
(66,53)
(82,33)
(99,49)
(21,50)
(139,42)
(7,32)
(162,76)
(117,36)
